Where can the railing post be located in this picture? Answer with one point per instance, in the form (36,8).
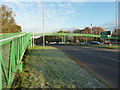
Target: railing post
(20,66)
(11,62)
(18,52)
(86,40)
(12,58)
(20,46)
(33,39)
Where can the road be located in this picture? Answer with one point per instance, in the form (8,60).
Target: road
(103,63)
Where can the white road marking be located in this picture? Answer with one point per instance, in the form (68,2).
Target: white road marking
(110,58)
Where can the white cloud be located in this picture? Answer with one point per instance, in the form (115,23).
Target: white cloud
(109,26)
(70,12)
(57,17)
(20,4)
(52,5)
(78,0)
(61,4)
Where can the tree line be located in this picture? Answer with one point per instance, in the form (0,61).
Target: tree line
(7,21)
(86,30)
(57,39)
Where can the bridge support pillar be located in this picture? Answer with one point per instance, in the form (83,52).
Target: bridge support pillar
(86,39)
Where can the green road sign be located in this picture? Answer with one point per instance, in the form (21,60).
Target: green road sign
(105,36)
(105,33)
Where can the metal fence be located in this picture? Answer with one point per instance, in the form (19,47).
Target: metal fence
(12,48)
(75,34)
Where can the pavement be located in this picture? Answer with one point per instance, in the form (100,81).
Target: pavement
(102,63)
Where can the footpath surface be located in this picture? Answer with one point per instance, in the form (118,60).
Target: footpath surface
(50,68)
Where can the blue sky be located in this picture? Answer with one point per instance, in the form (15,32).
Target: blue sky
(63,15)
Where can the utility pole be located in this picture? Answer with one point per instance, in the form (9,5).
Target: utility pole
(62,39)
(116,9)
(91,31)
(43,23)
(91,28)
(96,34)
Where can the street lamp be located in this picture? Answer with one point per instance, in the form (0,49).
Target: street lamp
(91,31)
(116,11)
(91,28)
(43,23)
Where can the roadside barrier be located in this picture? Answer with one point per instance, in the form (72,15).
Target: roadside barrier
(12,49)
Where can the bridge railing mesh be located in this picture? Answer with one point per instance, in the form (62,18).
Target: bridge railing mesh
(12,49)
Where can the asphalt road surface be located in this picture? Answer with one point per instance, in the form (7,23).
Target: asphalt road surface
(103,63)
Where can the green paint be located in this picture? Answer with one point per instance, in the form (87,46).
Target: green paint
(20,66)
(20,42)
(3,68)
(73,34)
(12,56)
(67,34)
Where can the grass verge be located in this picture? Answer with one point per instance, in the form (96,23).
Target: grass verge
(106,46)
(50,68)
(99,46)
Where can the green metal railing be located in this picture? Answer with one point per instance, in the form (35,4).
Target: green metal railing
(7,35)
(12,48)
(67,34)
(73,34)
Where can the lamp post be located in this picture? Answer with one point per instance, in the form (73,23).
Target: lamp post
(91,28)
(91,31)
(43,23)
(116,11)
(96,34)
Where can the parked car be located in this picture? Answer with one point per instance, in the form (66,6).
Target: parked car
(112,42)
(108,42)
(52,42)
(95,42)
(81,43)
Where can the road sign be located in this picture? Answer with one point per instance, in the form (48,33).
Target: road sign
(105,36)
(105,33)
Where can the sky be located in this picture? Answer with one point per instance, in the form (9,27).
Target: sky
(63,15)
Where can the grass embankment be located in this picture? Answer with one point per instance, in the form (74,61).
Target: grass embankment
(92,45)
(107,46)
(51,68)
